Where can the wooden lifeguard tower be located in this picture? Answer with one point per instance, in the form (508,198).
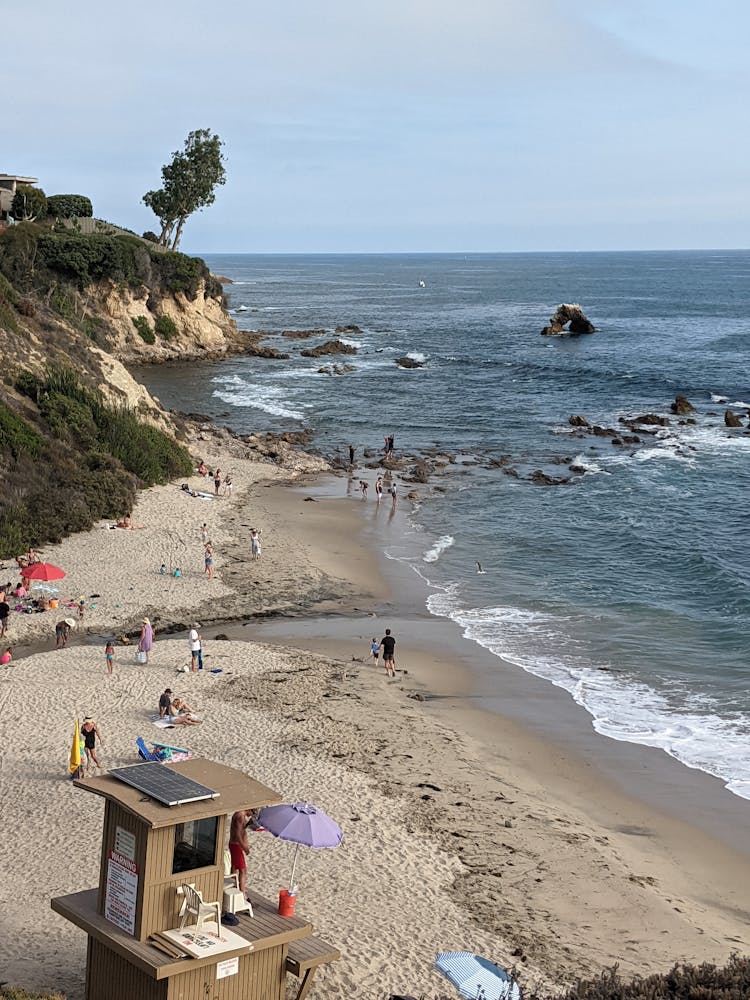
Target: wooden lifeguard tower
(164,827)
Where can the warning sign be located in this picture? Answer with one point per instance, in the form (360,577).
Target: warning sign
(121,891)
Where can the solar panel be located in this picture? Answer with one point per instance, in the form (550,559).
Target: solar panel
(163,784)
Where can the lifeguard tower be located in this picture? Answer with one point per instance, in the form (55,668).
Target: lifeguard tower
(164,828)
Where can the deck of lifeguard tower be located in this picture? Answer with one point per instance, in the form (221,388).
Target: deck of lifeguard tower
(125,955)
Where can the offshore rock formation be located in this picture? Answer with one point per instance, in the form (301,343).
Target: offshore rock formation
(407,362)
(570,315)
(330,347)
(681,406)
(732,419)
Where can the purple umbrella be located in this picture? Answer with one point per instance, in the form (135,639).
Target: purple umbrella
(301,823)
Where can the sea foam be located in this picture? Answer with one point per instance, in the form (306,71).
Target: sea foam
(433,554)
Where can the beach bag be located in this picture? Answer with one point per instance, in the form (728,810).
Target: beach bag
(140,656)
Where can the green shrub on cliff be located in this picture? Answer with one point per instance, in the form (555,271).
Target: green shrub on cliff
(83,462)
(143,329)
(69,206)
(165,327)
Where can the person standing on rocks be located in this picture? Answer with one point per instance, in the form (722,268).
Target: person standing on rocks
(351,454)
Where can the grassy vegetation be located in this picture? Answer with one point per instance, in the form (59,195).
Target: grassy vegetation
(165,328)
(143,329)
(682,982)
(81,462)
(16,993)
(35,258)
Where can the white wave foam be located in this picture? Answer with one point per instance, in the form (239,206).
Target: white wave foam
(719,399)
(589,466)
(417,356)
(271,399)
(621,708)
(350,343)
(744,406)
(432,555)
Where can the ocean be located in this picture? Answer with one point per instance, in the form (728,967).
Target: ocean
(627,586)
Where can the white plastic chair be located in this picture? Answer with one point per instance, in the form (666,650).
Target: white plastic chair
(233,900)
(193,905)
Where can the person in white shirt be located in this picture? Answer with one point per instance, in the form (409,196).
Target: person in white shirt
(196,652)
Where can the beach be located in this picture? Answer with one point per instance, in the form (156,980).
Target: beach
(465,828)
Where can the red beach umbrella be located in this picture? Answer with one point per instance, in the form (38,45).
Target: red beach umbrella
(43,571)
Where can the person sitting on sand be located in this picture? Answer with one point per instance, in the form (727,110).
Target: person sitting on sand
(22,562)
(127,524)
(20,592)
(168,710)
(179,705)
(32,558)
(202,470)
(7,656)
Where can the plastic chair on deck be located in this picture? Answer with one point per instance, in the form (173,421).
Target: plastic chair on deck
(193,905)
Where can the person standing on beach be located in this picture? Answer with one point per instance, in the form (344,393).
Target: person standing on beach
(351,454)
(209,560)
(394,495)
(146,640)
(375,650)
(388,645)
(379,488)
(363,488)
(255,547)
(196,647)
(4,615)
(217,481)
(228,486)
(62,631)
(109,655)
(90,733)
(204,533)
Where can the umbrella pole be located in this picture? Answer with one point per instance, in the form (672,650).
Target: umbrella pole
(294,865)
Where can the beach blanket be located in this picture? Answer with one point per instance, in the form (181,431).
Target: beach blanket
(162,723)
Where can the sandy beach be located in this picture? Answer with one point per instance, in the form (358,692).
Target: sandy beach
(463,829)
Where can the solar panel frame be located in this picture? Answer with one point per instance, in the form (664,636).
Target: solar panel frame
(162,784)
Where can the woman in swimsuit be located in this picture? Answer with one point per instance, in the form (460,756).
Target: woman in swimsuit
(209,561)
(90,733)
(217,481)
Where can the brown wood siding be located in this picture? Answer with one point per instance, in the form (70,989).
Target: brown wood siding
(110,977)
(161,904)
(261,976)
(115,816)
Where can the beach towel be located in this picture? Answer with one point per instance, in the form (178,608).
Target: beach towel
(161,723)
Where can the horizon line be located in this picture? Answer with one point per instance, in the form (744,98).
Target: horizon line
(445,253)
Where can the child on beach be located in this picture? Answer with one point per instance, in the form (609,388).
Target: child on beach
(81,608)
(375,650)
(255,547)
(109,655)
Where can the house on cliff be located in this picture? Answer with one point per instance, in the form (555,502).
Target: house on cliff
(8,185)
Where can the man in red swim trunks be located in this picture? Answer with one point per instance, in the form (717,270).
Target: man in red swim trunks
(239,845)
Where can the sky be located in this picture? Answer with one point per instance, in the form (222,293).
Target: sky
(397,125)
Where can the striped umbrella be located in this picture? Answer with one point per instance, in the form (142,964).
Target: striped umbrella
(477,978)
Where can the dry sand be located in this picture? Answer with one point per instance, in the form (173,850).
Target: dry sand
(451,841)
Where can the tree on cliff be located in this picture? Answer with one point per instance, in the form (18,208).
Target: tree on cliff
(189,183)
(28,203)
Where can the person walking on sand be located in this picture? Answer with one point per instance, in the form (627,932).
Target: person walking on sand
(109,655)
(196,647)
(379,488)
(394,494)
(90,733)
(374,650)
(217,482)
(209,560)
(255,547)
(204,533)
(388,645)
(146,640)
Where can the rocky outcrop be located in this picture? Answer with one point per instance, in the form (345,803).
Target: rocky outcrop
(350,328)
(329,347)
(335,369)
(732,419)
(681,406)
(261,351)
(653,419)
(302,334)
(407,362)
(578,421)
(568,319)
(540,478)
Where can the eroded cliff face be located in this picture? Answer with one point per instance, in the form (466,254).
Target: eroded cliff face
(203,328)
(96,335)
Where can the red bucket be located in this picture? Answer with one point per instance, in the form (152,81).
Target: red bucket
(287,902)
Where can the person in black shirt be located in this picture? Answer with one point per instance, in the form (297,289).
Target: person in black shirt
(165,704)
(388,645)
(4,612)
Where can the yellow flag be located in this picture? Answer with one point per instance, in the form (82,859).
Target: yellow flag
(75,751)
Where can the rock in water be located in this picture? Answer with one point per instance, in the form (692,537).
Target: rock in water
(578,421)
(681,406)
(570,315)
(732,419)
(407,362)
